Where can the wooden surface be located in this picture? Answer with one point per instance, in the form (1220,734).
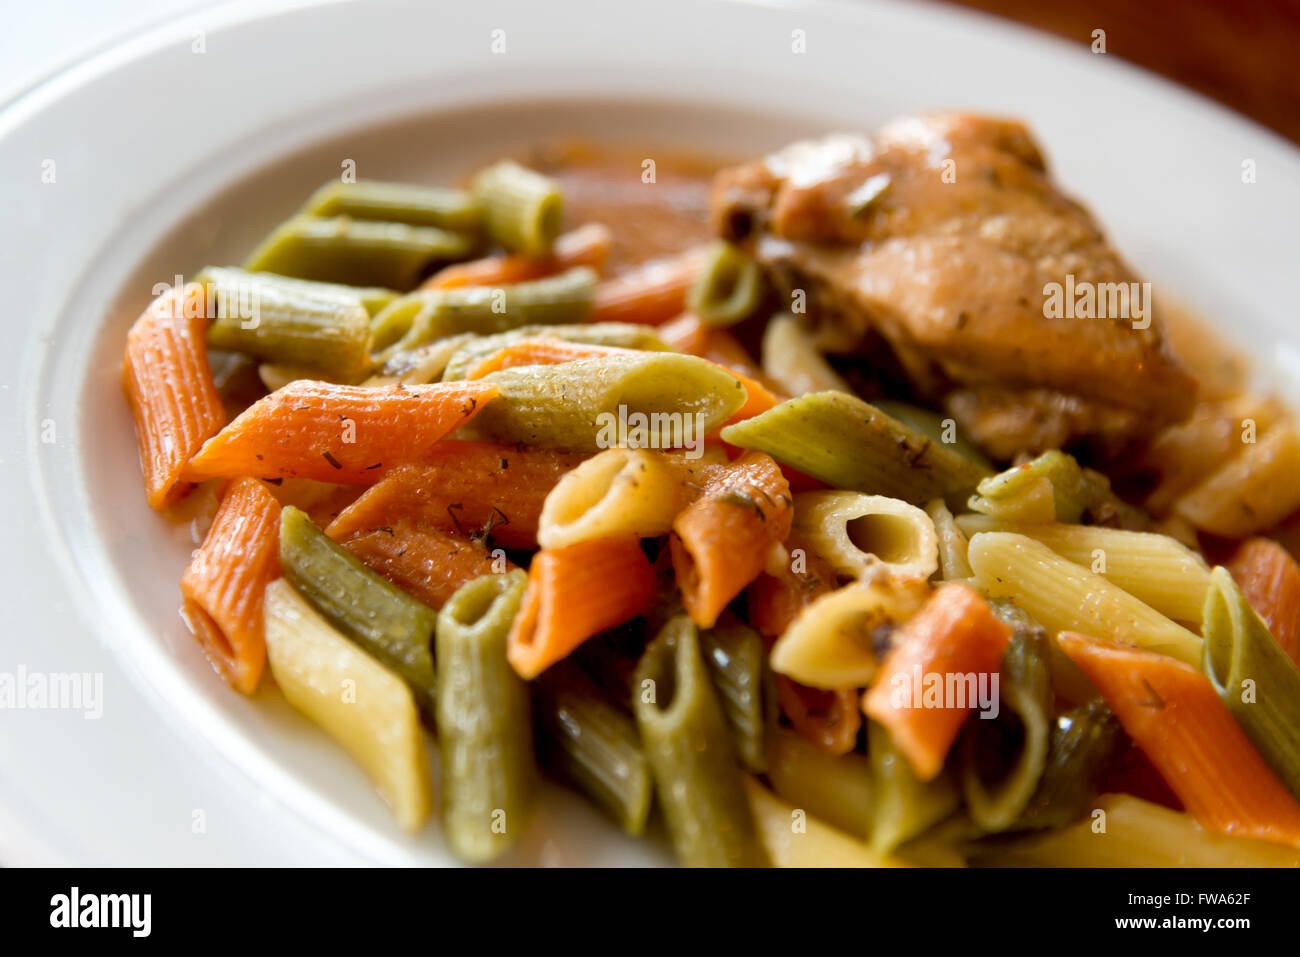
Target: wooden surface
(1243,53)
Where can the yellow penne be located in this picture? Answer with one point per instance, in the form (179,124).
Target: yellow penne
(1252,491)
(1155,569)
(793,838)
(829,646)
(953,543)
(1064,596)
(793,363)
(1125,831)
(365,707)
(618,493)
(864,536)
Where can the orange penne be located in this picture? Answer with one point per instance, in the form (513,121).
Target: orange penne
(574,593)
(169,386)
(224,584)
(468,486)
(346,434)
(429,563)
(1178,720)
(1270,579)
(540,352)
(585,246)
(829,719)
(774,601)
(954,634)
(650,294)
(721,541)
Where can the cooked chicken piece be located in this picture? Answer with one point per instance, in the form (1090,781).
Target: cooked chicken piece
(938,235)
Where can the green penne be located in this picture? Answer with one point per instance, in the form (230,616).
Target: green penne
(418,366)
(851,445)
(593,744)
(289,321)
(438,206)
(366,607)
(834,788)
(1003,758)
(737,658)
(1084,741)
(1052,487)
(690,752)
(373,298)
(623,335)
(523,210)
(424,317)
(484,720)
(1255,678)
(655,400)
(357,252)
(729,288)
(904,807)
(935,425)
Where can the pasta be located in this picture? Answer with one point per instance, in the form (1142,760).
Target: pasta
(832,643)
(170,390)
(224,584)
(356,700)
(1174,714)
(1258,683)
(700,789)
(334,433)
(484,718)
(1155,569)
(846,443)
(827,586)
(1068,597)
(864,536)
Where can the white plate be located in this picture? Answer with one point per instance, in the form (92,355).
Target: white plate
(166,158)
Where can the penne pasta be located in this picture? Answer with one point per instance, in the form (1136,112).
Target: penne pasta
(850,445)
(650,400)
(575,593)
(618,492)
(361,704)
(1156,569)
(349,435)
(225,581)
(728,289)
(930,681)
(736,660)
(1124,831)
(951,541)
(833,643)
(586,246)
(614,335)
(1173,713)
(169,388)
(357,252)
(397,203)
(868,536)
(700,787)
(1253,490)
(829,719)
(793,838)
(833,788)
(903,805)
(1258,683)
(721,541)
(381,618)
(428,563)
(480,489)
(484,718)
(1270,579)
(1064,596)
(522,209)
(652,293)
(594,745)
(794,364)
